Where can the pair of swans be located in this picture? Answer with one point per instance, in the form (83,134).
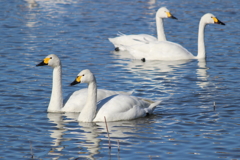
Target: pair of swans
(114,105)
(127,40)
(165,50)
(114,108)
(73,102)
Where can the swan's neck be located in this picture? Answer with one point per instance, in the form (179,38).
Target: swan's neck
(89,111)
(160,29)
(201,44)
(56,101)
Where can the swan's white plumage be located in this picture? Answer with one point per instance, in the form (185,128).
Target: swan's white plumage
(75,101)
(127,40)
(114,108)
(165,50)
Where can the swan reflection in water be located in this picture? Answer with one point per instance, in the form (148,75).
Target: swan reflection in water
(56,133)
(123,57)
(152,73)
(202,74)
(88,138)
(165,78)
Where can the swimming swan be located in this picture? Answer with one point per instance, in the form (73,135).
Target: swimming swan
(75,101)
(127,40)
(114,108)
(165,50)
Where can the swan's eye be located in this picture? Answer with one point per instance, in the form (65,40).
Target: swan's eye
(83,75)
(50,57)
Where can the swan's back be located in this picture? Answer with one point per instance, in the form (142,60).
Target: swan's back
(160,50)
(122,107)
(126,40)
(75,102)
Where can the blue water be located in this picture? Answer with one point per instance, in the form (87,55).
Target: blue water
(185,126)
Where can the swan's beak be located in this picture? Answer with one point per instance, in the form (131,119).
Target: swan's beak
(76,81)
(170,15)
(217,21)
(44,62)
(41,64)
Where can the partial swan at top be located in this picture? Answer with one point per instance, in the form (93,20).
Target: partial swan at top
(165,50)
(128,40)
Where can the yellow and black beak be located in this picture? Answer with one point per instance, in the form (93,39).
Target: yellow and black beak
(217,21)
(44,62)
(76,81)
(170,15)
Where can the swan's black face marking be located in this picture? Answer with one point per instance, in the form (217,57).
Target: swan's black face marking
(117,49)
(44,62)
(76,81)
(169,15)
(217,21)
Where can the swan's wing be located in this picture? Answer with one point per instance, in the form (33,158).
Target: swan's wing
(103,93)
(104,101)
(128,40)
(121,107)
(75,101)
(120,34)
(144,38)
(159,50)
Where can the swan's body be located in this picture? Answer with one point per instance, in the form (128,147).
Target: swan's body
(165,50)
(75,101)
(114,108)
(127,40)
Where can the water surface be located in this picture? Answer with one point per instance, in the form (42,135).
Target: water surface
(185,126)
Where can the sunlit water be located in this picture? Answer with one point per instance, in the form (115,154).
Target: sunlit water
(185,126)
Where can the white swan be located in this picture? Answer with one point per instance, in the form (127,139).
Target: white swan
(127,40)
(114,108)
(165,50)
(75,101)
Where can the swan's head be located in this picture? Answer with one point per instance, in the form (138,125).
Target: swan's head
(209,18)
(51,60)
(85,76)
(163,12)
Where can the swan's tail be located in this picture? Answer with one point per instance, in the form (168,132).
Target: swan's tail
(120,34)
(151,108)
(116,43)
(131,92)
(111,40)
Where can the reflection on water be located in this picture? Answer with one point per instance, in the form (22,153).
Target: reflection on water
(56,133)
(202,74)
(31,3)
(56,118)
(91,137)
(153,68)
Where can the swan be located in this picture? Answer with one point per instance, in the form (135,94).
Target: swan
(74,102)
(165,50)
(127,40)
(114,108)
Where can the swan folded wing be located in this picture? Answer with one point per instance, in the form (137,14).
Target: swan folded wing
(102,93)
(121,107)
(159,50)
(128,40)
(143,39)
(75,102)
